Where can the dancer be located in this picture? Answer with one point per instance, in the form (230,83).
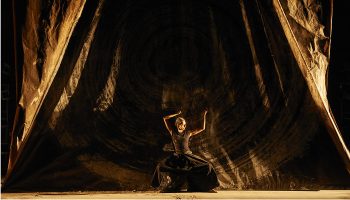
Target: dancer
(184,166)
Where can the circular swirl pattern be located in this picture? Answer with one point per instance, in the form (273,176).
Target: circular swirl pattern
(158,57)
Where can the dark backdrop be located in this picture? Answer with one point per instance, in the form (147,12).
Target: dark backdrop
(339,73)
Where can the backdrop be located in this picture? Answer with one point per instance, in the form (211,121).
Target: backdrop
(99,75)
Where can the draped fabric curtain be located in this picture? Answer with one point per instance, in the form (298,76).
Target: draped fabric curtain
(99,75)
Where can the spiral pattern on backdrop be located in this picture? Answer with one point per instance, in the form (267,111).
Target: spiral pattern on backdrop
(151,58)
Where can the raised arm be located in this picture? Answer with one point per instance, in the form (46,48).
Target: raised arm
(168,117)
(195,132)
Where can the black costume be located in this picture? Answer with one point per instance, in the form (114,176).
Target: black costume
(172,172)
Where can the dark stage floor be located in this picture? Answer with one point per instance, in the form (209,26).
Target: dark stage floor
(323,194)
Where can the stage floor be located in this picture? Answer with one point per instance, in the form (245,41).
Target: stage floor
(323,194)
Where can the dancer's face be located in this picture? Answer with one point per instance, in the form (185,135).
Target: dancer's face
(181,126)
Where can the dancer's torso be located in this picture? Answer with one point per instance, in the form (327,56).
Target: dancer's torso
(181,142)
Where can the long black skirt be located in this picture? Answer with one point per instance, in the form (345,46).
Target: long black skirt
(174,171)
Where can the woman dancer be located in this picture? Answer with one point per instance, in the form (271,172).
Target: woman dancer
(184,166)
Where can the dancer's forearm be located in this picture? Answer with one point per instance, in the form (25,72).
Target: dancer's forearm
(168,117)
(195,132)
(172,115)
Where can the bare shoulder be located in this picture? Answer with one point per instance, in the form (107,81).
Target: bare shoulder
(190,133)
